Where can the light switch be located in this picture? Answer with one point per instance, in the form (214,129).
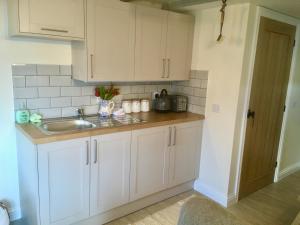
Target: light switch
(216,108)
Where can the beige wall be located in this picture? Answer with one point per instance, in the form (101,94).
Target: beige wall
(18,51)
(224,61)
(291,144)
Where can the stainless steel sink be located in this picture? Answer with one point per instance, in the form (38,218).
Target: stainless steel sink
(63,126)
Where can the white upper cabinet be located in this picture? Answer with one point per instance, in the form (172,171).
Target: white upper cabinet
(151,31)
(110,40)
(179,46)
(185,152)
(149,162)
(110,168)
(64,173)
(63,19)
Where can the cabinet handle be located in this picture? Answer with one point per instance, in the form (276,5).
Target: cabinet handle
(169,62)
(87,153)
(164,69)
(92,66)
(174,140)
(170,136)
(96,151)
(54,30)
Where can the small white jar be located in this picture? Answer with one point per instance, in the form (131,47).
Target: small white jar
(136,106)
(145,105)
(127,105)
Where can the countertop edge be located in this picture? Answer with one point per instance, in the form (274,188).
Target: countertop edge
(44,139)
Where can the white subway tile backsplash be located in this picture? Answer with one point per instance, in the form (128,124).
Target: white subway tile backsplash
(71,91)
(38,103)
(65,70)
(60,81)
(20,103)
(81,101)
(88,90)
(19,81)
(69,111)
(48,70)
(50,113)
(61,102)
(24,70)
(25,93)
(49,92)
(37,81)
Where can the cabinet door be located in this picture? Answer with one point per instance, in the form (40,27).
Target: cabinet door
(110,171)
(185,152)
(151,30)
(149,161)
(64,18)
(110,39)
(64,171)
(179,46)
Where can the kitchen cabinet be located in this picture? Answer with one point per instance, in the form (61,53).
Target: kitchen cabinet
(64,171)
(179,46)
(184,153)
(151,29)
(163,48)
(62,19)
(110,168)
(100,177)
(149,161)
(108,54)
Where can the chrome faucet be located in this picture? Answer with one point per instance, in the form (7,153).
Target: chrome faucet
(80,113)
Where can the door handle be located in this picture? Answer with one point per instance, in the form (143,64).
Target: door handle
(54,30)
(87,153)
(169,62)
(92,65)
(170,136)
(251,114)
(164,69)
(175,133)
(95,151)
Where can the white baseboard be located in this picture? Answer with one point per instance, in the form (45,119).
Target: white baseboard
(288,171)
(221,198)
(14,214)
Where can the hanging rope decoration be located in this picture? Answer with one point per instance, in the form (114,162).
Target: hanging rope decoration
(222,19)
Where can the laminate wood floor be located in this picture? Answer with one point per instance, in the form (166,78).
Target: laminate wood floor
(277,204)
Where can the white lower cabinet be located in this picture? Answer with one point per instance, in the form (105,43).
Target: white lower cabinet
(91,177)
(64,173)
(185,153)
(149,161)
(110,168)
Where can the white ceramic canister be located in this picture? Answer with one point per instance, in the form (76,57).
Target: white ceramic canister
(127,105)
(145,105)
(136,106)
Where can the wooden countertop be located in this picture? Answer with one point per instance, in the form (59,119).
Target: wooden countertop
(153,119)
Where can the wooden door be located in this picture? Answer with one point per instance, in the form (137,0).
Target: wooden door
(110,169)
(110,40)
(185,153)
(149,161)
(150,49)
(267,103)
(63,18)
(179,45)
(64,173)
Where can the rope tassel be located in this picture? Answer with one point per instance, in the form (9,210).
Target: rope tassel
(222,19)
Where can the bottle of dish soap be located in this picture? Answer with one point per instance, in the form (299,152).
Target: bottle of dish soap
(22,116)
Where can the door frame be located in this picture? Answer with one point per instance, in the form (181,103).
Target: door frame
(263,12)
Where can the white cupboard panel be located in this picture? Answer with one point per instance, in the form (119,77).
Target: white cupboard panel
(64,181)
(149,161)
(110,170)
(111,39)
